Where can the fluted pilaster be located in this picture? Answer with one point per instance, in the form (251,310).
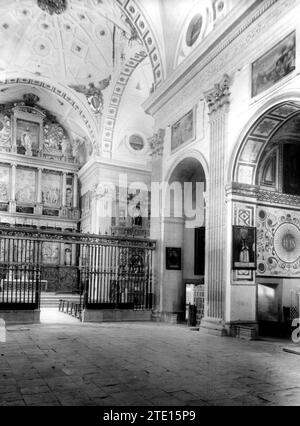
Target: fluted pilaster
(218,104)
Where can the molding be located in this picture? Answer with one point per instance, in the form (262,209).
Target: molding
(113,108)
(209,50)
(37,162)
(97,163)
(278,198)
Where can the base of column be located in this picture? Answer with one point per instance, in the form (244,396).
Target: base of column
(168,317)
(213,327)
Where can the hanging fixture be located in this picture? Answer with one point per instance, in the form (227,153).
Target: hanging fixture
(53,6)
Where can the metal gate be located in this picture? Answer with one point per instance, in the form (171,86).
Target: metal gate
(20,273)
(108,272)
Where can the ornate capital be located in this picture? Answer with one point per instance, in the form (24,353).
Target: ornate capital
(156,143)
(219,96)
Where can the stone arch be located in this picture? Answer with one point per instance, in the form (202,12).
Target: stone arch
(67,96)
(257,135)
(193,153)
(112,110)
(137,18)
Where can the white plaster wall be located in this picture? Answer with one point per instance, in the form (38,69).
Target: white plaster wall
(189,254)
(243,303)
(173,289)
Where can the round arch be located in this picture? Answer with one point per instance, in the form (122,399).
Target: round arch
(65,95)
(257,134)
(188,154)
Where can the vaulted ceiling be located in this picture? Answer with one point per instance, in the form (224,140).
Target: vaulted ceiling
(93,64)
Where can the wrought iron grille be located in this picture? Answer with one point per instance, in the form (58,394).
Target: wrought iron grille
(109,272)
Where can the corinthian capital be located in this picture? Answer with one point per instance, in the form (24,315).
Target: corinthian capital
(156,143)
(219,96)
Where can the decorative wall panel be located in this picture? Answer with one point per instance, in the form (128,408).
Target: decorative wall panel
(4,184)
(278,242)
(5,132)
(25,186)
(51,253)
(243,215)
(51,189)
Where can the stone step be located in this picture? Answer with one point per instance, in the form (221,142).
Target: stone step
(51,300)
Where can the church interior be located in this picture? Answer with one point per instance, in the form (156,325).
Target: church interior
(148,162)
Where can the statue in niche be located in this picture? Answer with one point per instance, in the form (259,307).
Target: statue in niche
(68,257)
(69,197)
(5,130)
(94,93)
(26,142)
(65,148)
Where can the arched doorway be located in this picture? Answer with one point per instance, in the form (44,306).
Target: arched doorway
(183,249)
(266,195)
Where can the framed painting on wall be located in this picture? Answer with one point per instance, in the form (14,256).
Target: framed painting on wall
(173,258)
(244,247)
(25,186)
(183,130)
(274,65)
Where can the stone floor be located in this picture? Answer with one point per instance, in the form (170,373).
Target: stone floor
(134,364)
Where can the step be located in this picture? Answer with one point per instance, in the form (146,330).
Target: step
(51,300)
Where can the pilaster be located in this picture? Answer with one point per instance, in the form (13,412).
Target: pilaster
(215,276)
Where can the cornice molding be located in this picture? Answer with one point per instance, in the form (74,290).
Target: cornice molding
(37,162)
(206,53)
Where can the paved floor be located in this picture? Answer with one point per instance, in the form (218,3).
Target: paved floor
(141,364)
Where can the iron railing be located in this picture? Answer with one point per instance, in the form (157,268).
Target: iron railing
(108,271)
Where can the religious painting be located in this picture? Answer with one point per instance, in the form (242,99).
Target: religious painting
(173,258)
(4,184)
(51,189)
(54,139)
(25,186)
(274,65)
(28,136)
(51,253)
(50,212)
(183,130)
(244,247)
(25,209)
